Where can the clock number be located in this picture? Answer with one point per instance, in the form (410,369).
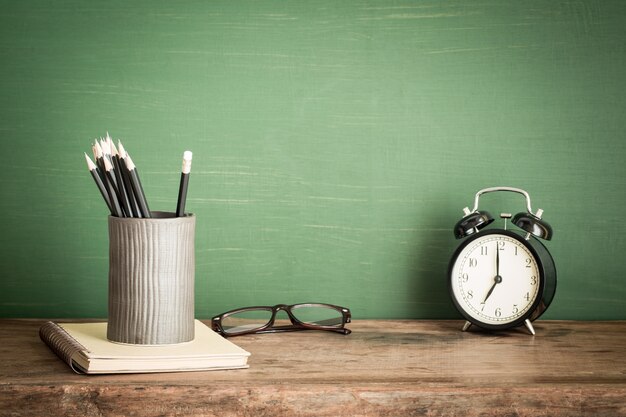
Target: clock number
(527,297)
(483,250)
(533,280)
(473,262)
(483,307)
(501,244)
(516,251)
(498,312)
(515,309)
(470,294)
(465,277)
(528,262)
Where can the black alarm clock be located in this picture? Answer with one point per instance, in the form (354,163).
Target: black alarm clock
(501,278)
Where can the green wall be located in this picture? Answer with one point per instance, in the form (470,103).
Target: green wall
(335,144)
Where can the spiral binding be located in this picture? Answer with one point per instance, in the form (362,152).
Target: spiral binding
(61,343)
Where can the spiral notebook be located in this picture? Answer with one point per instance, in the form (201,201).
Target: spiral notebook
(85,348)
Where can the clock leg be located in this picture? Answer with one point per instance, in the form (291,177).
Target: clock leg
(529,326)
(466,326)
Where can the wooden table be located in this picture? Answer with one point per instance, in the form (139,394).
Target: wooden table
(384,368)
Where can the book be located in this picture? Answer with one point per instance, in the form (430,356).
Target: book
(85,348)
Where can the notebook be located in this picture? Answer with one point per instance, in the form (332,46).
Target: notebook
(85,348)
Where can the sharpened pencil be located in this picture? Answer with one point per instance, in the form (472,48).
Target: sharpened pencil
(121,188)
(99,159)
(121,155)
(93,169)
(111,188)
(137,188)
(184,184)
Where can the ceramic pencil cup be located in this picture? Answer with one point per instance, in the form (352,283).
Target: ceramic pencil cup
(151,279)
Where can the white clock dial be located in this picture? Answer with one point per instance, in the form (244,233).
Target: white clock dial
(495,279)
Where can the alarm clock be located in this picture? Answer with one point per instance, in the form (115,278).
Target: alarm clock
(501,278)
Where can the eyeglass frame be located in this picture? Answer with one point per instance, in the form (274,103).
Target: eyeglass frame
(296,325)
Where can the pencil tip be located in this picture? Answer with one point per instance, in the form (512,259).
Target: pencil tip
(120,149)
(90,163)
(104,144)
(98,149)
(113,149)
(187,155)
(129,162)
(107,164)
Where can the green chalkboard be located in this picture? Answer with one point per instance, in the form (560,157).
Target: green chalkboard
(335,144)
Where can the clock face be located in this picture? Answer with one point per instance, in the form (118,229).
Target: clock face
(495,278)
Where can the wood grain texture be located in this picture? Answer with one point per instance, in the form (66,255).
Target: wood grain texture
(382,368)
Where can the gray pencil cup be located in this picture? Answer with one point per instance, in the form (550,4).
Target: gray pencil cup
(151,279)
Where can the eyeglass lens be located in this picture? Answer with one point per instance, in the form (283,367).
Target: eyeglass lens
(249,320)
(317,315)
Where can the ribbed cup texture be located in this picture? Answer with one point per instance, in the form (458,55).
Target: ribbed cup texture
(151,279)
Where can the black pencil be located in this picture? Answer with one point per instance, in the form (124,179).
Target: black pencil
(93,169)
(121,155)
(94,149)
(137,188)
(111,189)
(106,149)
(121,188)
(99,159)
(184,183)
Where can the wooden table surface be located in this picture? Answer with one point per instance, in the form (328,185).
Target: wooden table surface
(384,368)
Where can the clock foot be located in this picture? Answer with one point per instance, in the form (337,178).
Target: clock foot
(466,326)
(529,326)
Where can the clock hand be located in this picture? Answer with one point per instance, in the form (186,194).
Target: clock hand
(498,278)
(496,281)
(497,260)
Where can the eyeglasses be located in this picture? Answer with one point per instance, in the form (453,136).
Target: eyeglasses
(262,319)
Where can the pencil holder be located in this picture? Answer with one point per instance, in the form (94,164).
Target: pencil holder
(151,279)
